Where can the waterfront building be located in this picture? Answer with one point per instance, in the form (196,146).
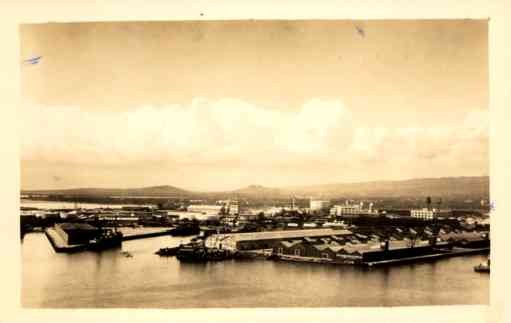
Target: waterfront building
(474,239)
(308,249)
(325,249)
(267,239)
(76,233)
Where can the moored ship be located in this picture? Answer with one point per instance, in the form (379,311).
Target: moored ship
(198,252)
(168,251)
(108,239)
(483,267)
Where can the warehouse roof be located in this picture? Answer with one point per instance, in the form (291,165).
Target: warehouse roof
(289,244)
(286,234)
(77,227)
(361,248)
(469,236)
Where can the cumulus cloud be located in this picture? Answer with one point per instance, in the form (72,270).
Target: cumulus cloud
(230,130)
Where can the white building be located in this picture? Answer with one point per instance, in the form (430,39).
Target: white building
(206,209)
(429,214)
(316,205)
(231,207)
(234,209)
(346,209)
(181,215)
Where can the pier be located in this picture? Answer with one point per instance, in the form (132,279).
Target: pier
(136,236)
(456,252)
(59,245)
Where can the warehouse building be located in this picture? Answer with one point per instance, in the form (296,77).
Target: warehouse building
(77,233)
(350,252)
(268,239)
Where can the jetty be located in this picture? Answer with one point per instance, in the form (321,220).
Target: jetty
(135,236)
(455,252)
(60,245)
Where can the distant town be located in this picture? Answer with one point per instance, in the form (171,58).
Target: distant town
(368,231)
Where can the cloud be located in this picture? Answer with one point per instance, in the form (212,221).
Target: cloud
(235,132)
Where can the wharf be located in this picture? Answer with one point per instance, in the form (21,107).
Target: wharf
(440,254)
(254,254)
(135,236)
(424,258)
(293,258)
(59,245)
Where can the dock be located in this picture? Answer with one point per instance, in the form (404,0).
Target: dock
(456,252)
(59,245)
(136,236)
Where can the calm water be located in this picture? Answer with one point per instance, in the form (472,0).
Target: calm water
(109,279)
(70,205)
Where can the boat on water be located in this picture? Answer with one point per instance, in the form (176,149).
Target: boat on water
(198,252)
(108,239)
(185,229)
(126,254)
(483,267)
(168,251)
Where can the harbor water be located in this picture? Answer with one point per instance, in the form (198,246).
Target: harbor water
(48,205)
(110,279)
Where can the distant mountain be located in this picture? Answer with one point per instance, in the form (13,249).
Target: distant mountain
(259,191)
(447,186)
(165,190)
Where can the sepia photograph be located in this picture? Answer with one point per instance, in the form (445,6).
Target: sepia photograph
(254,163)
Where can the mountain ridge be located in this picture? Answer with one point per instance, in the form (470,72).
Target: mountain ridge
(460,185)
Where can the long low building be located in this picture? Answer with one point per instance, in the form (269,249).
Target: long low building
(267,239)
(76,233)
(351,253)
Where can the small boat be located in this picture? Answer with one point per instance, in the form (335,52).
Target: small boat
(483,267)
(126,254)
(168,251)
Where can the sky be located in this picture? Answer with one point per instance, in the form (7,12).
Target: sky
(219,105)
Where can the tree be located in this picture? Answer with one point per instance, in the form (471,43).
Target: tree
(260,218)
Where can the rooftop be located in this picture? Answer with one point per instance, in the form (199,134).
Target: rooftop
(286,234)
(77,226)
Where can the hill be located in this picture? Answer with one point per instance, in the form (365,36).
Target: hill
(447,187)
